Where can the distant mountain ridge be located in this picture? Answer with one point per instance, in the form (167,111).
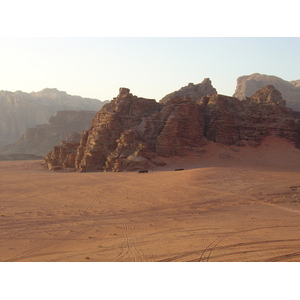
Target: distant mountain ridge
(40,139)
(24,116)
(247,85)
(20,111)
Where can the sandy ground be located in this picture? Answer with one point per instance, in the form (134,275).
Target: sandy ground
(228,204)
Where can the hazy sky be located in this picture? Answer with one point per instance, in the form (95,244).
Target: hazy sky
(152,48)
(150,67)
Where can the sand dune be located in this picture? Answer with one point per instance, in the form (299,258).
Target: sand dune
(228,204)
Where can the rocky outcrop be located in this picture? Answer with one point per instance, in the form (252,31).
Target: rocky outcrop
(64,156)
(268,94)
(221,118)
(249,84)
(193,91)
(20,111)
(40,139)
(123,113)
(132,133)
(234,122)
(183,128)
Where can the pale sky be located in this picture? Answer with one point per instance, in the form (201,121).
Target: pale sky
(92,49)
(149,67)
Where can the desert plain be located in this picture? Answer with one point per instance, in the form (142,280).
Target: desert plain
(229,204)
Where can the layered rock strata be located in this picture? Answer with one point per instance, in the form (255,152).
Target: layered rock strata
(231,121)
(132,133)
(64,156)
(123,113)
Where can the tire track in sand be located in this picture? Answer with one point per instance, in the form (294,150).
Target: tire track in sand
(87,212)
(26,254)
(130,246)
(212,246)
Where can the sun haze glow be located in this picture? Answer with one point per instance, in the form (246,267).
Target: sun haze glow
(150,67)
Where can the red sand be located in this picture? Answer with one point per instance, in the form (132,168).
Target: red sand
(229,204)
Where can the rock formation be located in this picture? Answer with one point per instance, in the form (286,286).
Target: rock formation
(249,84)
(64,156)
(40,139)
(268,94)
(20,111)
(109,132)
(132,133)
(194,91)
(231,121)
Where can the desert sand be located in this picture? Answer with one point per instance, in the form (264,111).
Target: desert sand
(230,204)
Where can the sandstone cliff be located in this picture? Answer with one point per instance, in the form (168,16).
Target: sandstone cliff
(194,91)
(132,133)
(20,111)
(231,121)
(40,139)
(109,126)
(249,84)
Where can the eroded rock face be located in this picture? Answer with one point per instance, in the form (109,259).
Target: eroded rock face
(183,128)
(221,121)
(123,113)
(249,84)
(230,121)
(132,133)
(268,94)
(63,156)
(193,91)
